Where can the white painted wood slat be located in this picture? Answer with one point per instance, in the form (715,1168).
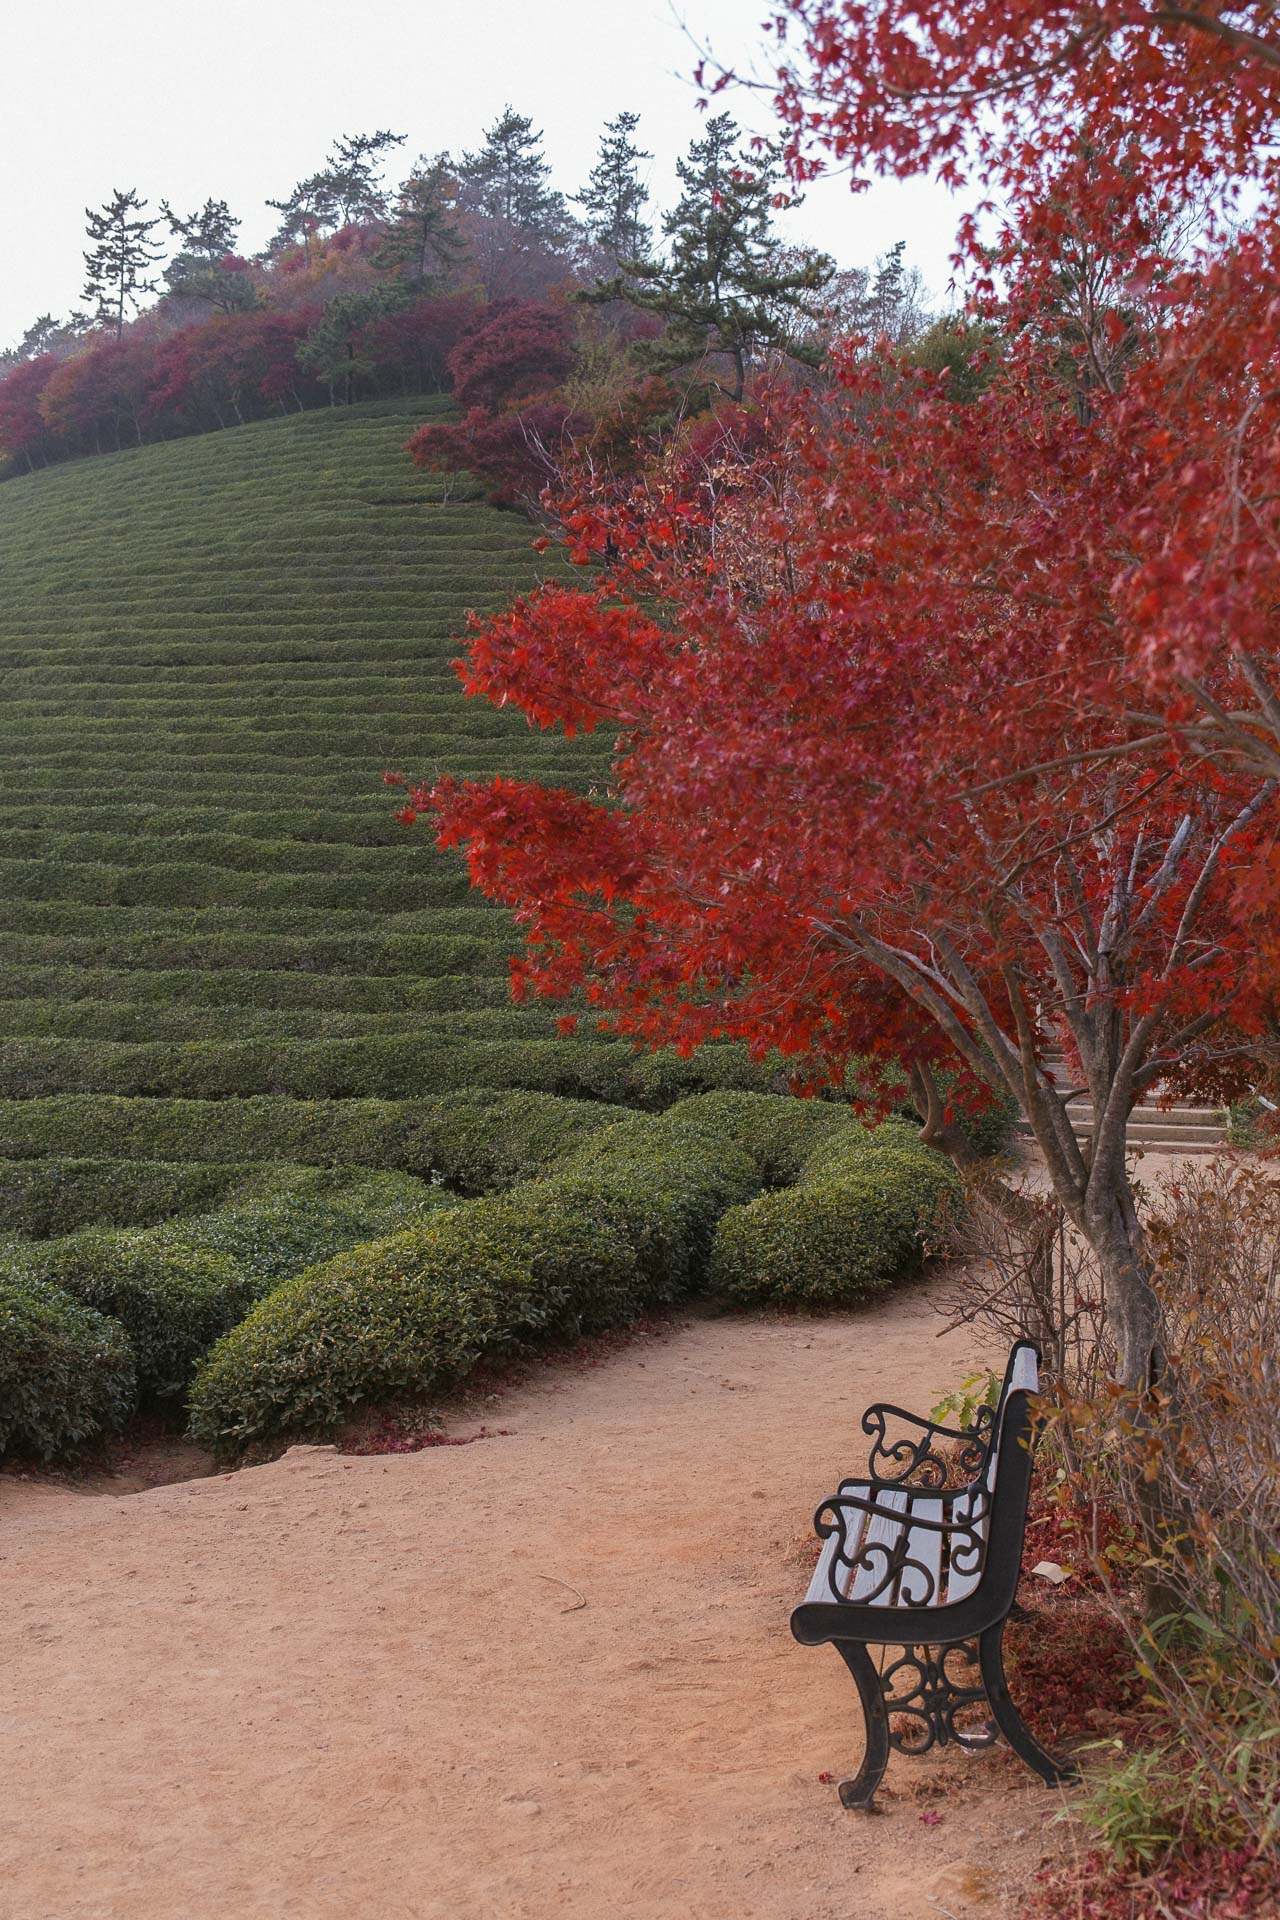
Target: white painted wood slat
(885,1530)
(820,1585)
(921,1585)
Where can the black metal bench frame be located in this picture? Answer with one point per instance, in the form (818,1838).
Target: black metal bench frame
(979,1527)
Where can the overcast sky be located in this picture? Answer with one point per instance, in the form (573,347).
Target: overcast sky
(237,99)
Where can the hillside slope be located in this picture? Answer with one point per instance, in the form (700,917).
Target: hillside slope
(212,649)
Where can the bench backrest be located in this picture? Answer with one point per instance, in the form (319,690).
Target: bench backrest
(1021,1375)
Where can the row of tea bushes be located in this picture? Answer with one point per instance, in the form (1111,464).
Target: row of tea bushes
(850,1222)
(49,1196)
(211,654)
(375,1066)
(474,1141)
(171,1292)
(627,1220)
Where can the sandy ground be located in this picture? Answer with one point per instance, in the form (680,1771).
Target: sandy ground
(339,1688)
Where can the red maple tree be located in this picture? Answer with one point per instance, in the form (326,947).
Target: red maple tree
(946,728)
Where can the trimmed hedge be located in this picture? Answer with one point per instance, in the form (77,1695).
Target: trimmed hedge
(374,1067)
(405,1315)
(475,1141)
(851,1224)
(229,988)
(117,1020)
(66,1372)
(178,1288)
(173,1302)
(636,1206)
(54,1196)
(315,1214)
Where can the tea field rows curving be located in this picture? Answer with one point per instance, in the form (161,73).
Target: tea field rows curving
(212,649)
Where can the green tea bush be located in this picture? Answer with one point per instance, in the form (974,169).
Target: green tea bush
(408,1314)
(177,1288)
(56,1196)
(853,1222)
(375,1066)
(173,1302)
(269,1237)
(475,1140)
(637,1205)
(66,1372)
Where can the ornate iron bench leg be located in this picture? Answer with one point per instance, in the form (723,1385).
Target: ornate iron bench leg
(859,1792)
(1010,1722)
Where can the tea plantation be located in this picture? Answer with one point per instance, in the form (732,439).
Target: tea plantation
(224,966)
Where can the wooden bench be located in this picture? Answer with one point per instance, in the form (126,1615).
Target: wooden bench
(923,1553)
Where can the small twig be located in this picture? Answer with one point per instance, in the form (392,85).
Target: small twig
(578,1604)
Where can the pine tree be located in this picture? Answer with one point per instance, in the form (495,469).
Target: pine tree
(332,350)
(615,195)
(354,168)
(121,252)
(196,271)
(723,289)
(347,188)
(307,211)
(422,240)
(507,181)
(44,335)
(893,308)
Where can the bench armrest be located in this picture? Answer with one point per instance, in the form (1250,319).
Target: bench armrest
(912,1459)
(877,1556)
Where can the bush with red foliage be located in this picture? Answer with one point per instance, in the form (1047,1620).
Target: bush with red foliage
(234,367)
(517,350)
(413,345)
(24,431)
(515,455)
(102,398)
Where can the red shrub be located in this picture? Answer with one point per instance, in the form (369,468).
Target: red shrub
(514,454)
(518,349)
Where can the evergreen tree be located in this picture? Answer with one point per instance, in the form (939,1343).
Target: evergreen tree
(196,271)
(422,241)
(893,307)
(116,263)
(332,349)
(615,196)
(355,175)
(724,289)
(347,188)
(507,180)
(308,210)
(44,335)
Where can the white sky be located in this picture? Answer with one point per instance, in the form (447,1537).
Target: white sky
(236,99)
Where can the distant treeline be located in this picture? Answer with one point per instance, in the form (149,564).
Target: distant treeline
(472,276)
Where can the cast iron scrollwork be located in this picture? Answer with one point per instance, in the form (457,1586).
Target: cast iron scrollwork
(923,1693)
(913,1460)
(892,1573)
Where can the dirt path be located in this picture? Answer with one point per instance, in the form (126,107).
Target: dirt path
(362,1689)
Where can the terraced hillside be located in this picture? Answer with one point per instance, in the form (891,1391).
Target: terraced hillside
(274,1144)
(212,649)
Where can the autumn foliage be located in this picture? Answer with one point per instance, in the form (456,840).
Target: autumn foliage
(953,738)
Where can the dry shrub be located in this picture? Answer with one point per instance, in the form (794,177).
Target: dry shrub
(1024,1275)
(1206,1774)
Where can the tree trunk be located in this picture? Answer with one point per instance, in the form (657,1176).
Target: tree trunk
(1110,1225)
(739,373)
(935,1129)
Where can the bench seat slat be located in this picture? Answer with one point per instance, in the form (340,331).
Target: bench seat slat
(921,1584)
(820,1588)
(961,1585)
(867,1587)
